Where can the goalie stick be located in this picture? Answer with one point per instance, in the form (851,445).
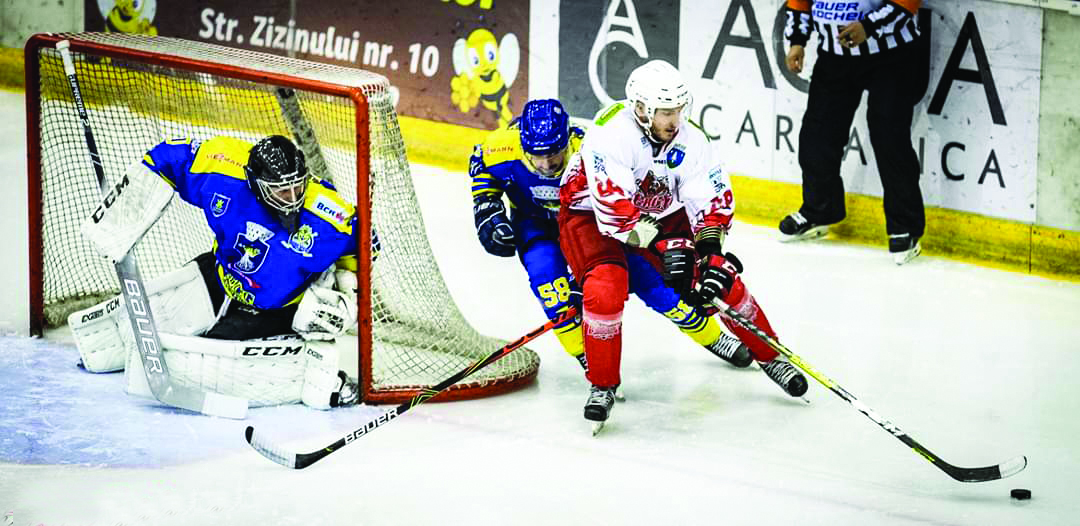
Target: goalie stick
(981,474)
(302,460)
(136,300)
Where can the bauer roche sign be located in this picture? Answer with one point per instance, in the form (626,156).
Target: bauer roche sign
(975,127)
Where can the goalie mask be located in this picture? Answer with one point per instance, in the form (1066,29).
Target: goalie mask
(656,85)
(545,133)
(277,175)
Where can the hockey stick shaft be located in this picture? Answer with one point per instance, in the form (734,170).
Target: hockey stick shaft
(133,291)
(303,460)
(980,474)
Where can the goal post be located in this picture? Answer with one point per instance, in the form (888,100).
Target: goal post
(141,90)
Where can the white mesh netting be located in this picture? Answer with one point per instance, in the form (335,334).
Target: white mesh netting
(419,336)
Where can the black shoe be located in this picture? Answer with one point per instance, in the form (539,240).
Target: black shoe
(786,376)
(904,247)
(795,227)
(731,350)
(598,406)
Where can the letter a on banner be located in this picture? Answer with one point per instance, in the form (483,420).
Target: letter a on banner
(631,36)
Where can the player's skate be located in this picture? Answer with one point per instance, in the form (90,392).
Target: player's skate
(731,350)
(598,406)
(795,227)
(904,247)
(348,393)
(785,375)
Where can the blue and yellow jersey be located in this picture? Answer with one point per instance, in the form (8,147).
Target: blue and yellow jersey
(259,262)
(499,165)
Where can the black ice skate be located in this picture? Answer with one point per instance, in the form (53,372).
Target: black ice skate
(598,406)
(795,227)
(904,247)
(785,375)
(348,392)
(731,350)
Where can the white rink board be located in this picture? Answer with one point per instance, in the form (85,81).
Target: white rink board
(757,126)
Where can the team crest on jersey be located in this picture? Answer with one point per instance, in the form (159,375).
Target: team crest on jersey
(218,205)
(253,246)
(653,194)
(676,155)
(301,241)
(598,164)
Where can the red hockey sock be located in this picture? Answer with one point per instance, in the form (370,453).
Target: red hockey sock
(605,292)
(742,301)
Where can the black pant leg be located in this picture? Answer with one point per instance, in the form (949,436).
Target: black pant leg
(835,91)
(889,114)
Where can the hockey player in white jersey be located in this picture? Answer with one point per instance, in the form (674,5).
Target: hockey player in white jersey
(648,182)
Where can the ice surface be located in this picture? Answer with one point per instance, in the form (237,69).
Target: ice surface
(977,364)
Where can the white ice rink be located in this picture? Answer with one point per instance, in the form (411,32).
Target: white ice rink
(978,365)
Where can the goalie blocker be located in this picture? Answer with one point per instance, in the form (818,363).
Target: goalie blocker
(301,366)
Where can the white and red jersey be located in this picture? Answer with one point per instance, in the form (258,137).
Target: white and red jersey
(619,174)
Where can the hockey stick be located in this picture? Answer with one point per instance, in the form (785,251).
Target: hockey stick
(982,474)
(135,299)
(303,460)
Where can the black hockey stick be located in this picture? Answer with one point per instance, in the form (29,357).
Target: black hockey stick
(303,460)
(137,301)
(983,474)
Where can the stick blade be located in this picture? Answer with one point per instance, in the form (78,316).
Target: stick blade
(988,473)
(268,449)
(1012,467)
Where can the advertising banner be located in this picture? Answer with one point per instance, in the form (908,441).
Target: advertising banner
(975,128)
(455,61)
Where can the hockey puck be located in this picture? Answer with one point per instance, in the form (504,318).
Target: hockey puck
(1020,494)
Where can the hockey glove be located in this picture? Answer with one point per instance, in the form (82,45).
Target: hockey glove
(678,256)
(493,228)
(718,276)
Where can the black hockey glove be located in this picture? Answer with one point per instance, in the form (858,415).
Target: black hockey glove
(493,228)
(718,276)
(678,256)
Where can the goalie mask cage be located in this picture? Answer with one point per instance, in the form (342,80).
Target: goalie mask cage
(142,90)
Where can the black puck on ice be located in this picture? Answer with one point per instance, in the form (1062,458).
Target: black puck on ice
(1020,494)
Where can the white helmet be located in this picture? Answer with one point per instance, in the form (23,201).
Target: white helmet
(657,85)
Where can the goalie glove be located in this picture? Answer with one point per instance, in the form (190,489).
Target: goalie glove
(323,314)
(127,212)
(493,228)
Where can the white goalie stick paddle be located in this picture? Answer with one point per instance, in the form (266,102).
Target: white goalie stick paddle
(137,301)
(302,460)
(980,474)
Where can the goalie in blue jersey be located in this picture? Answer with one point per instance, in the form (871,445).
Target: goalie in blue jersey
(282,264)
(524,163)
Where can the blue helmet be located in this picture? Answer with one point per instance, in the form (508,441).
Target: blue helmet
(545,127)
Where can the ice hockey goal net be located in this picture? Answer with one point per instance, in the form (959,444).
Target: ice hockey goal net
(142,90)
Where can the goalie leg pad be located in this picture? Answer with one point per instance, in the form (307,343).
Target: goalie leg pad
(180,304)
(268,371)
(322,381)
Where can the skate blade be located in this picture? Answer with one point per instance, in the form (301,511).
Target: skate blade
(597,427)
(813,233)
(620,396)
(804,399)
(906,256)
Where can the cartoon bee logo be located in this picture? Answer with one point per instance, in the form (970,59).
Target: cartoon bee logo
(484,72)
(129,16)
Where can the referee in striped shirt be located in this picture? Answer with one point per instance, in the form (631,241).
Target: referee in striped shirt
(862,45)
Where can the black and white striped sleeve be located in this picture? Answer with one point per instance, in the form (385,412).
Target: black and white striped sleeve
(887,20)
(797,28)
